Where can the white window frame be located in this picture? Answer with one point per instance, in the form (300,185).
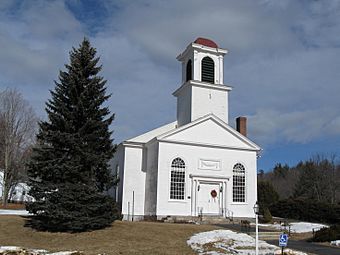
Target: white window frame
(176,197)
(237,197)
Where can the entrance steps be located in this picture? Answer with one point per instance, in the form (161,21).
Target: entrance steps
(212,219)
(204,219)
(179,219)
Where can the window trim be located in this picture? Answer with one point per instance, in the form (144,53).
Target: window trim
(245,184)
(185,182)
(208,58)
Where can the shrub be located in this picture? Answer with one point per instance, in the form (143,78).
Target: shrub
(266,195)
(306,210)
(327,234)
(267,217)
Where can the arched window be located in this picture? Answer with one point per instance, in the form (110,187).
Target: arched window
(239,183)
(177,182)
(208,70)
(189,71)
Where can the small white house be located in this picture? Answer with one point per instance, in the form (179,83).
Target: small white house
(197,164)
(18,193)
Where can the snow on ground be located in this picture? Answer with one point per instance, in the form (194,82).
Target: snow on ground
(229,242)
(297,227)
(18,250)
(9,248)
(64,253)
(335,243)
(13,212)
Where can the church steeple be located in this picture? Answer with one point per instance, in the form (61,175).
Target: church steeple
(205,60)
(202,91)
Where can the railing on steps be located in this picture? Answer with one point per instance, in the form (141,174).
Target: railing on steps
(228,214)
(223,213)
(200,213)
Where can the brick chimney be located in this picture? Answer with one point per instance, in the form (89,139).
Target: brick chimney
(241,125)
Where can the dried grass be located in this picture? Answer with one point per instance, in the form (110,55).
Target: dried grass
(13,206)
(120,238)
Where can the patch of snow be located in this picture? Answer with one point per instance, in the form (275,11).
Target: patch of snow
(63,253)
(336,242)
(229,242)
(39,251)
(20,250)
(297,227)
(9,248)
(13,212)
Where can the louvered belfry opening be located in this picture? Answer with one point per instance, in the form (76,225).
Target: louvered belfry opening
(189,71)
(208,72)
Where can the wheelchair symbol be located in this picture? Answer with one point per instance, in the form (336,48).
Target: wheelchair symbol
(283,240)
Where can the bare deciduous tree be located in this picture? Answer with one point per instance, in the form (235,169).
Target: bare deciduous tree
(18,124)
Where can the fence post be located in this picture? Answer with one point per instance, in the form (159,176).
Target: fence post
(133,205)
(128,211)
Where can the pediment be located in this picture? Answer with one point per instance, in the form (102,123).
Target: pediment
(210,130)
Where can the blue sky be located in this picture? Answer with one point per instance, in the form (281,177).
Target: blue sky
(284,62)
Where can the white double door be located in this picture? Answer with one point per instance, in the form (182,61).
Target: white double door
(208,198)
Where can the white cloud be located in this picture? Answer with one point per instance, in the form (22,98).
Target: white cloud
(138,85)
(271,126)
(164,28)
(35,41)
(283,60)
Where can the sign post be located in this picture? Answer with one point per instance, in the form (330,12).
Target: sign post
(283,241)
(256,211)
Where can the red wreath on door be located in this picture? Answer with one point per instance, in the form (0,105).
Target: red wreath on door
(213,193)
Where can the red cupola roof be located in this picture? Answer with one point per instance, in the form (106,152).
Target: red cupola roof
(206,42)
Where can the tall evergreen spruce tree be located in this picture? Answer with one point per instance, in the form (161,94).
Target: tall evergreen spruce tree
(69,170)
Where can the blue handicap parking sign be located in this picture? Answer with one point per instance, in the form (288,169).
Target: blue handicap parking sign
(283,241)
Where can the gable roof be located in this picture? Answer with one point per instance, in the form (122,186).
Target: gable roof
(148,136)
(184,134)
(217,133)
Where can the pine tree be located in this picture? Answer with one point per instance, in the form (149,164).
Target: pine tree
(266,195)
(267,216)
(69,170)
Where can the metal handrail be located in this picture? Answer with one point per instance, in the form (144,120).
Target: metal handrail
(228,214)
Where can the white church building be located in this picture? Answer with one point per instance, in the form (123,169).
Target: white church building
(198,164)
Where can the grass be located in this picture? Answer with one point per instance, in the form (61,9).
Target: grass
(121,238)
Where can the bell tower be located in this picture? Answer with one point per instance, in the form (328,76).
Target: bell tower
(202,90)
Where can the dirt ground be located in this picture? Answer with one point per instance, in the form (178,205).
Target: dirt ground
(122,238)
(13,206)
(301,236)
